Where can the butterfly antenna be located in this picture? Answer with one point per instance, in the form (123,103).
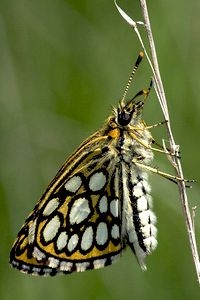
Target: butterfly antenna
(137,63)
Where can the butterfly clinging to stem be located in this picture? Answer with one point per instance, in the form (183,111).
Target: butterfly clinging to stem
(98,203)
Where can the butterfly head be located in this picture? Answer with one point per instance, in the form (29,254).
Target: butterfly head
(127,113)
(130,112)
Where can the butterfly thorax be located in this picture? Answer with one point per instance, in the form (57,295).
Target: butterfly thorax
(129,138)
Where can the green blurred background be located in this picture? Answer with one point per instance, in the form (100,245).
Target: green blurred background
(63,64)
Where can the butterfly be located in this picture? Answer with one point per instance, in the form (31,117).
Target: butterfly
(98,203)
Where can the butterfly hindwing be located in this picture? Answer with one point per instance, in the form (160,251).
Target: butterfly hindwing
(77,226)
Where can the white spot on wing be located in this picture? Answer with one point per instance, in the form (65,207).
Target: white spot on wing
(149,230)
(79,211)
(114,209)
(38,254)
(144,217)
(150,243)
(62,240)
(147,217)
(66,266)
(51,206)
(31,232)
(51,229)
(72,243)
(137,190)
(53,262)
(115,231)
(102,233)
(99,263)
(73,184)
(97,181)
(103,204)
(81,267)
(142,203)
(87,238)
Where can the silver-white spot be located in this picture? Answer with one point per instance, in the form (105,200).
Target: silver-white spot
(99,263)
(103,204)
(51,206)
(66,266)
(81,267)
(73,184)
(147,217)
(102,233)
(150,243)
(149,230)
(142,203)
(38,254)
(115,231)
(137,190)
(97,181)
(53,262)
(72,243)
(87,238)
(62,240)
(144,217)
(31,232)
(51,229)
(114,208)
(79,211)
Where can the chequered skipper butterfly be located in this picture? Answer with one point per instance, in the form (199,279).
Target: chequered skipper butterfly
(98,202)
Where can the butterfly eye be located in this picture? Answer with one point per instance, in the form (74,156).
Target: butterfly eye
(125,116)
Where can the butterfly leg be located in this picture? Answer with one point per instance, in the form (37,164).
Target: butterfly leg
(170,177)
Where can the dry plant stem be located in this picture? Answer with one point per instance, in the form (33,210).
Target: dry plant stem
(174,159)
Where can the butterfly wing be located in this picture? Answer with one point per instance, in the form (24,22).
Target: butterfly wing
(76,225)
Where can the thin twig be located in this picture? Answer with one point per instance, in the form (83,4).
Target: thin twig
(174,160)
